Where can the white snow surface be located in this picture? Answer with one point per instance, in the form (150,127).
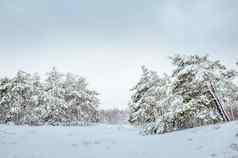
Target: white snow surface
(117,141)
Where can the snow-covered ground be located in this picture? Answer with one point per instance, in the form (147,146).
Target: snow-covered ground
(114,141)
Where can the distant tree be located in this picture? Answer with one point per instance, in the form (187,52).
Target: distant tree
(113,116)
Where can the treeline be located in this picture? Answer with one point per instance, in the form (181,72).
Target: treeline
(113,116)
(200,91)
(60,98)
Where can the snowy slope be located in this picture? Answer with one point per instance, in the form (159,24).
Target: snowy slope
(112,141)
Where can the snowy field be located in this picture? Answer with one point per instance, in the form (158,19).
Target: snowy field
(115,141)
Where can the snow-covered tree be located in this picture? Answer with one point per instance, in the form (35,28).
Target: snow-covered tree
(197,80)
(16,96)
(82,102)
(5,99)
(39,101)
(145,104)
(56,105)
(26,99)
(169,105)
(230,94)
(195,94)
(142,101)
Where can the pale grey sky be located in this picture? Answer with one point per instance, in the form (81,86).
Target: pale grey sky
(107,40)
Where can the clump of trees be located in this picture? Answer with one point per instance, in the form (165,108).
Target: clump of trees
(60,98)
(113,116)
(199,92)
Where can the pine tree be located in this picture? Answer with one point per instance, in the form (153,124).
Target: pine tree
(82,102)
(194,95)
(18,91)
(38,101)
(143,105)
(193,74)
(56,105)
(5,99)
(25,99)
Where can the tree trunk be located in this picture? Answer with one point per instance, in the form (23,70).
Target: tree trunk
(232,112)
(218,103)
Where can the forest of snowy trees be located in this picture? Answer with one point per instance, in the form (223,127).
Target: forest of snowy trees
(200,91)
(60,98)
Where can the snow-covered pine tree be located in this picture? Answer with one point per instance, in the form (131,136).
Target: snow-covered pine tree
(17,97)
(144,106)
(70,97)
(91,105)
(192,75)
(5,99)
(184,100)
(25,99)
(55,106)
(140,111)
(81,101)
(229,93)
(167,105)
(38,101)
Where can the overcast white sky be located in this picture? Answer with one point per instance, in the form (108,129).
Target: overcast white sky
(108,40)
